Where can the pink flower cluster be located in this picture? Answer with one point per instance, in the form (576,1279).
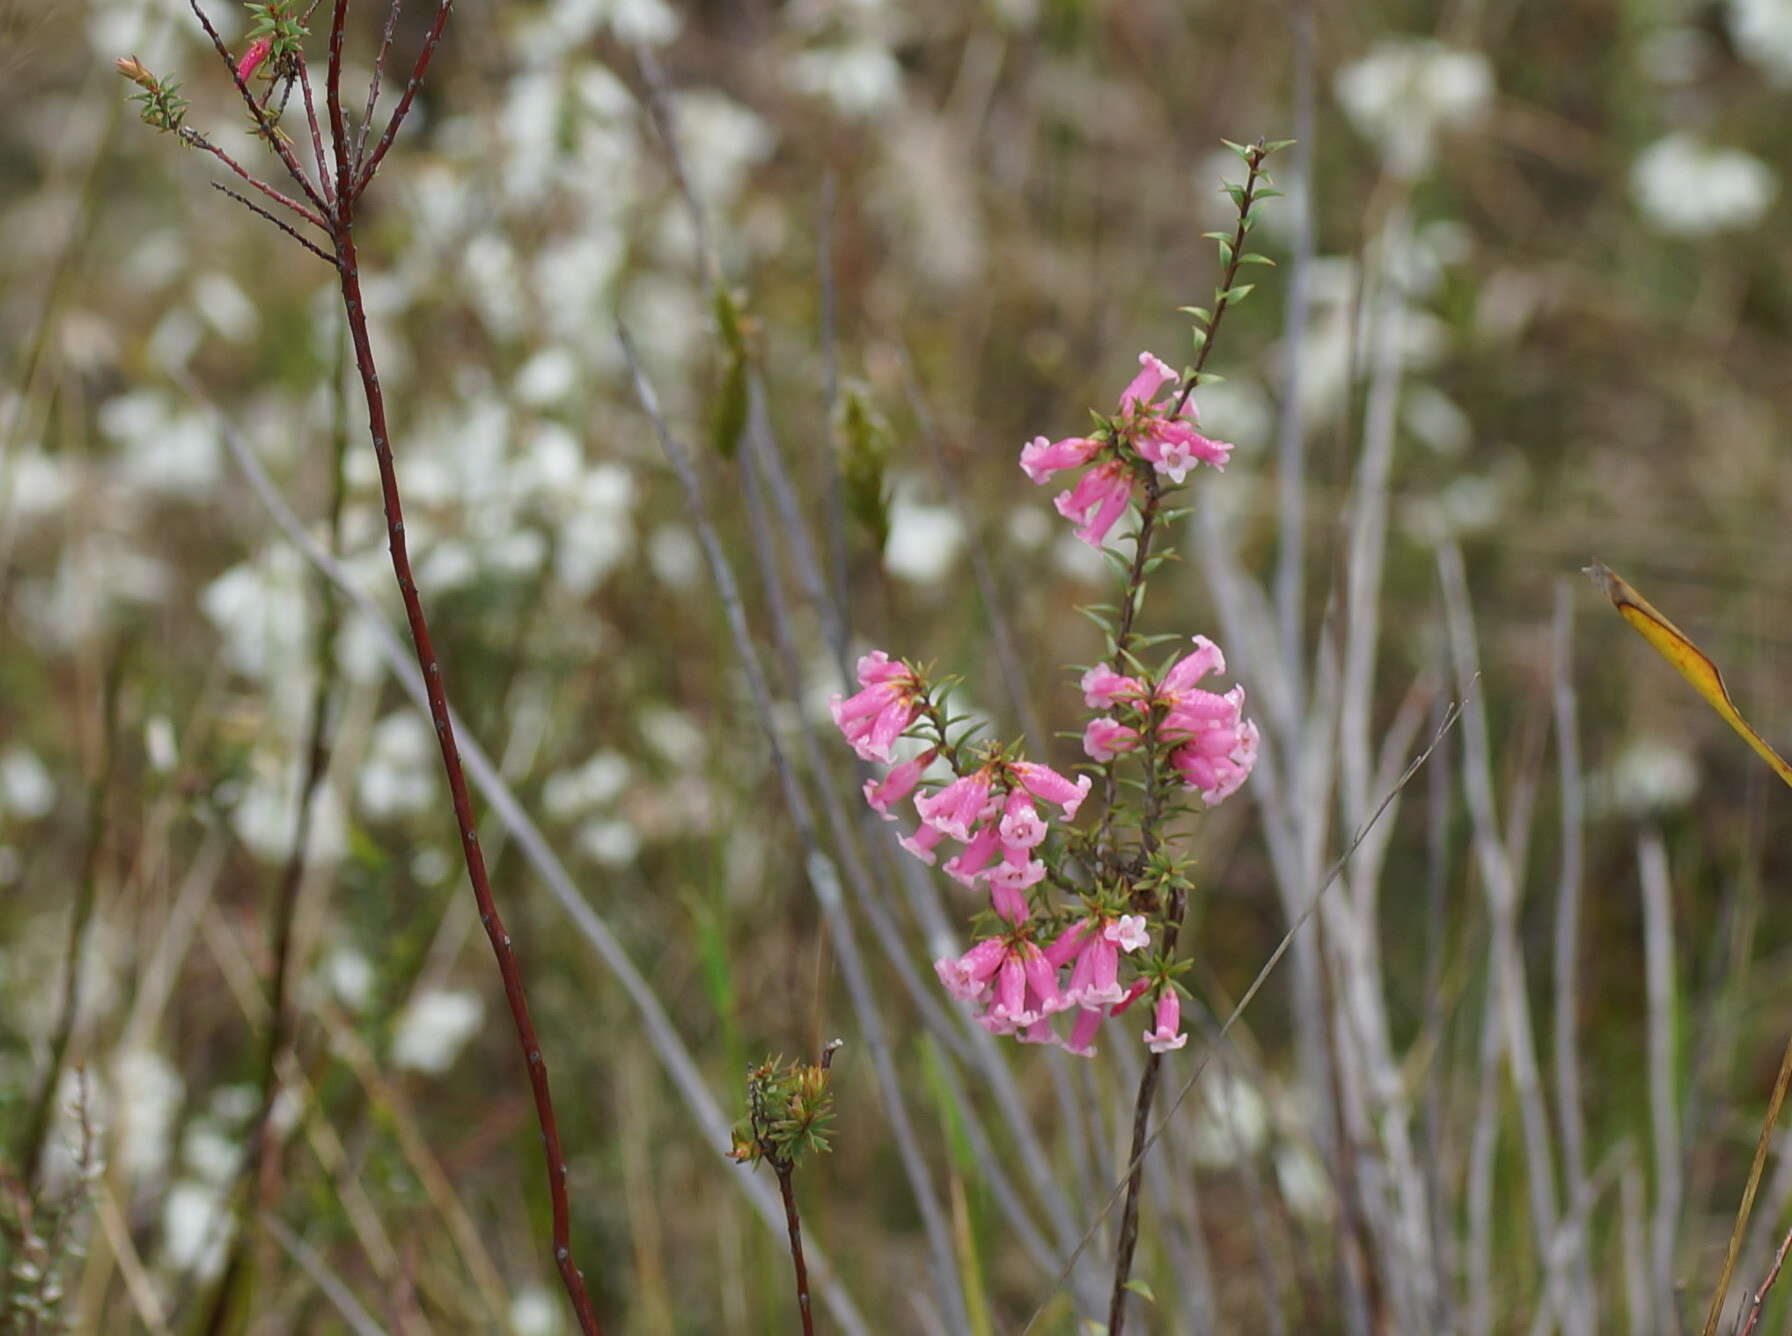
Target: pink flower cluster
(882,711)
(1160,432)
(1213,745)
(1017,986)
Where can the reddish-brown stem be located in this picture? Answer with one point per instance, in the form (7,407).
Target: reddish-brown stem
(317,136)
(365,172)
(355,309)
(795,1225)
(1758,1301)
(1141,1117)
(259,115)
(280,223)
(333,103)
(373,84)
(199,141)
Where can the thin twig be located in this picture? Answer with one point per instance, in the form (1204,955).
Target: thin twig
(1759,1299)
(317,137)
(795,1225)
(255,208)
(373,83)
(364,173)
(196,140)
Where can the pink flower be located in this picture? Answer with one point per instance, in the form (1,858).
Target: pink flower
(1153,376)
(1009,902)
(1025,990)
(1049,786)
(966,977)
(1098,501)
(1128,932)
(1191,668)
(1018,870)
(258,51)
(873,719)
(1218,777)
(1069,942)
(922,842)
(1022,826)
(973,861)
(1105,738)
(1103,688)
(897,785)
(1082,1034)
(1093,978)
(1174,447)
(1166,438)
(1041,458)
(1168,1033)
(959,806)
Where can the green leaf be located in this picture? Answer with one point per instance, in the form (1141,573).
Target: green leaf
(1251,257)
(728,419)
(1277,145)
(1200,313)
(1141,1289)
(1239,293)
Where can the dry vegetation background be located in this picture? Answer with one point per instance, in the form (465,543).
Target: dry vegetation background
(1550,291)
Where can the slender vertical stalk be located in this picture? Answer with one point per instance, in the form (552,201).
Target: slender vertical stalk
(795,1225)
(1130,602)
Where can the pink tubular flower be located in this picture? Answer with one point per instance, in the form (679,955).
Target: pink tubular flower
(1093,978)
(1049,786)
(1164,433)
(258,51)
(972,862)
(1098,501)
(1153,375)
(921,843)
(883,794)
(1009,902)
(1168,1032)
(959,806)
(872,720)
(1021,827)
(1082,1034)
(966,977)
(1103,688)
(1218,777)
(1105,738)
(1040,458)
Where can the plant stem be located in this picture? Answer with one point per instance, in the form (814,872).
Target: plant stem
(1141,1117)
(795,1225)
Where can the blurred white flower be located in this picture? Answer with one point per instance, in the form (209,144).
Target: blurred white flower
(1762,31)
(262,614)
(674,555)
(225,306)
(1029,528)
(210,1153)
(433,1028)
(159,744)
(397,774)
(1237,1124)
(26,788)
(924,540)
(722,141)
(647,22)
(610,842)
(595,533)
(266,815)
(196,1228)
(1303,1181)
(672,734)
(1648,777)
(173,454)
(148,1094)
(349,975)
(1403,92)
(547,377)
(34,484)
(597,783)
(861,78)
(535,1312)
(1688,188)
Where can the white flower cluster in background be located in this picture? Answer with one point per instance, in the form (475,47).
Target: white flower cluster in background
(434,1027)
(1403,93)
(1686,187)
(1762,31)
